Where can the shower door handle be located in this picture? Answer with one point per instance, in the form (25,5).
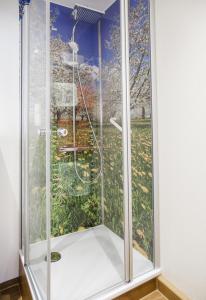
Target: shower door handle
(113,122)
(42,132)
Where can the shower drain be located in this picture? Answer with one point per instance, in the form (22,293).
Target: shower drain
(55,256)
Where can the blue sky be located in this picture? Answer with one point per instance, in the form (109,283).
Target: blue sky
(87,34)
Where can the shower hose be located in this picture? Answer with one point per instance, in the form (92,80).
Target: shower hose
(75,62)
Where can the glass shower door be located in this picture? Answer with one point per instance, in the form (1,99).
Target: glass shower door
(141,123)
(36,150)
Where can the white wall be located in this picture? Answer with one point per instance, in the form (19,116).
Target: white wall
(9,139)
(181,75)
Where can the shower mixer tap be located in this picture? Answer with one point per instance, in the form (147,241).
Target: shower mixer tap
(62,132)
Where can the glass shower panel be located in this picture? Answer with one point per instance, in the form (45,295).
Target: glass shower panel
(37,144)
(87,218)
(112,99)
(112,141)
(112,121)
(141,135)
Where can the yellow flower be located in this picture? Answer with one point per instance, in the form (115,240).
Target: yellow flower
(81,228)
(61,229)
(140,233)
(86,174)
(85,166)
(79,188)
(144,189)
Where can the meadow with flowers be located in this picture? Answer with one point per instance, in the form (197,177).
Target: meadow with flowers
(77,206)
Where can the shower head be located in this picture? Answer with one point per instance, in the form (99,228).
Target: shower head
(81,13)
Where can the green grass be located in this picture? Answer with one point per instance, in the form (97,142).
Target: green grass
(142,204)
(142,186)
(76,205)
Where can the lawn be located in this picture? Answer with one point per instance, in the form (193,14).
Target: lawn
(76,206)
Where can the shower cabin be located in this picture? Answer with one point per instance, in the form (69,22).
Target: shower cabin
(89,155)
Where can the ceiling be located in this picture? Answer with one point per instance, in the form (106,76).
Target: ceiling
(100,5)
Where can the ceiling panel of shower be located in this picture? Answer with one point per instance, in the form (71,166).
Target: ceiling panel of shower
(102,5)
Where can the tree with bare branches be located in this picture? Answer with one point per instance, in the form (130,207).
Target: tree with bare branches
(139,56)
